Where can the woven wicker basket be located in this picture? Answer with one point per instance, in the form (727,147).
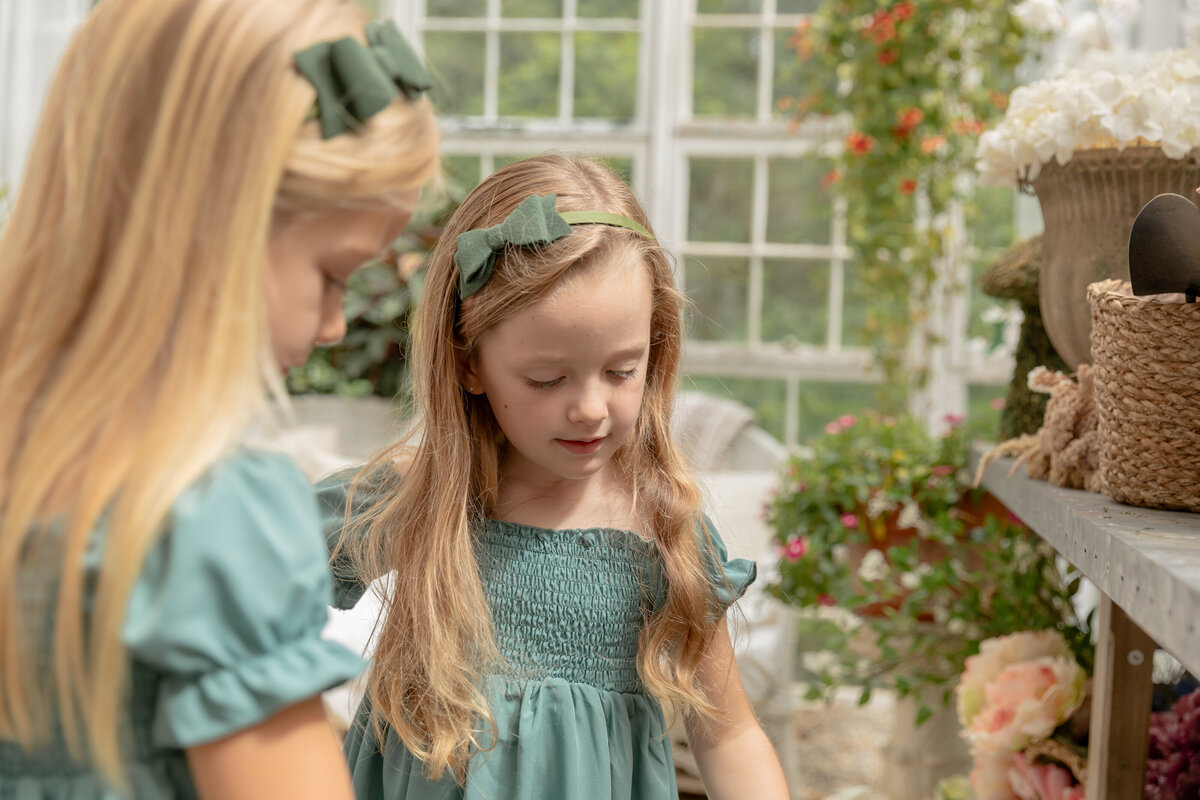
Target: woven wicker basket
(1147,360)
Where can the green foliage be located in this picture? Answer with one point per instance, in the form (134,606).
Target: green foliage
(880,532)
(917,81)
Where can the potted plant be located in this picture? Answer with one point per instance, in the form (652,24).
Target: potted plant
(1096,143)
(904,566)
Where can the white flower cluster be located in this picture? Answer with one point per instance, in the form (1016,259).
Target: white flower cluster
(1157,101)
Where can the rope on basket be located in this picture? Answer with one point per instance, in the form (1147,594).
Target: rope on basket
(1065,450)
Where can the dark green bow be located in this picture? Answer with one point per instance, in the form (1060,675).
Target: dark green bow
(354,82)
(533,222)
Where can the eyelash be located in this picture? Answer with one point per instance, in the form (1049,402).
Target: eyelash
(624,375)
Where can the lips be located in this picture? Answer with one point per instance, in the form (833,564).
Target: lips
(581,447)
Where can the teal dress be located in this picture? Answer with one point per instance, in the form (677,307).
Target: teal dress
(574,721)
(223,630)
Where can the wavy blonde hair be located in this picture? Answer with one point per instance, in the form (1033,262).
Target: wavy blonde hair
(174,139)
(435,636)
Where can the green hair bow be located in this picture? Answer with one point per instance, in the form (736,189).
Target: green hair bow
(355,82)
(533,222)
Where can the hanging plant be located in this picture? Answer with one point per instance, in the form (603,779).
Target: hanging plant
(915,82)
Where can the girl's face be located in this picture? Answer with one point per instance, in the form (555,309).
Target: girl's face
(309,261)
(565,376)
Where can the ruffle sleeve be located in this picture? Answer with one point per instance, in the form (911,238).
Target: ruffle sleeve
(231,602)
(333,495)
(730,577)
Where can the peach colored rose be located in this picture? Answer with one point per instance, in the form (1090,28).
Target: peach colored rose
(989,778)
(1025,702)
(1042,781)
(994,655)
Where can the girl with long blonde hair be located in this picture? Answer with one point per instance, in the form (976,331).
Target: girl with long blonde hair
(555,583)
(206,176)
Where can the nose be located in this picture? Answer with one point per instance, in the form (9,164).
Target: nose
(590,405)
(332,327)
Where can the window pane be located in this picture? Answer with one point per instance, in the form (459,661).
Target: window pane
(795,301)
(456,8)
(720,194)
(728,6)
(529,74)
(799,209)
(606,75)
(719,288)
(766,397)
(461,174)
(608,8)
(531,8)
(822,402)
(726,72)
(457,63)
(992,231)
(797,6)
(854,311)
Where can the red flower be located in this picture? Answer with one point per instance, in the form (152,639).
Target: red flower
(908,186)
(830,178)
(826,600)
(968,126)
(859,143)
(795,549)
(911,117)
(881,28)
(887,57)
(904,9)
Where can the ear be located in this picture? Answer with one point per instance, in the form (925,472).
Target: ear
(465,364)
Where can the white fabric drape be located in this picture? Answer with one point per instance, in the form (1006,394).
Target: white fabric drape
(33,35)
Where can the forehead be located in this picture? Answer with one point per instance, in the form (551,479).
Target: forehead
(597,311)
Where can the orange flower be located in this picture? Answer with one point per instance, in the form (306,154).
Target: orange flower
(999,100)
(881,28)
(931,144)
(968,126)
(908,186)
(859,143)
(801,39)
(904,9)
(911,117)
(886,57)
(784,103)
(830,178)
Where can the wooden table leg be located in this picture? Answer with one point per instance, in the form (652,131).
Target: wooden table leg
(1121,689)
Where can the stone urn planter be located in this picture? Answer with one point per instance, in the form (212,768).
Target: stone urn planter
(1088,208)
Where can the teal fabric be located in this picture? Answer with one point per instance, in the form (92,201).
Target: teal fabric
(223,629)
(574,721)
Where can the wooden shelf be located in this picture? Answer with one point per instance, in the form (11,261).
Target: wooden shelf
(1146,564)
(1147,561)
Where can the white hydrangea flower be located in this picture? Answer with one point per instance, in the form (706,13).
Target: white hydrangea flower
(1099,103)
(874,567)
(1041,15)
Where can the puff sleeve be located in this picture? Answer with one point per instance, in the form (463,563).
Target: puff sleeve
(332,495)
(230,604)
(730,577)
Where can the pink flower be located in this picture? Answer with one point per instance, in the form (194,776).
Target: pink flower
(994,655)
(954,420)
(1042,782)
(832,428)
(846,421)
(826,600)
(850,520)
(1025,702)
(998,403)
(989,778)
(942,469)
(795,549)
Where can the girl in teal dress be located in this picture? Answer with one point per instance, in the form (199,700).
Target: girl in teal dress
(188,218)
(555,583)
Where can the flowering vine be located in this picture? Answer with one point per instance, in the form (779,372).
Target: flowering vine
(916,82)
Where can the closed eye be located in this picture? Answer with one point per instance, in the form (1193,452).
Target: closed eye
(543,384)
(624,375)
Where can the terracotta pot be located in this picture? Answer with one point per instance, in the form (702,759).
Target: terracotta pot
(973,508)
(1088,208)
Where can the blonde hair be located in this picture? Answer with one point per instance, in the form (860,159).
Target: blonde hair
(132,269)
(436,637)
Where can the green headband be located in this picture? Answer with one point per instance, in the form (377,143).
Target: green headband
(354,82)
(534,222)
